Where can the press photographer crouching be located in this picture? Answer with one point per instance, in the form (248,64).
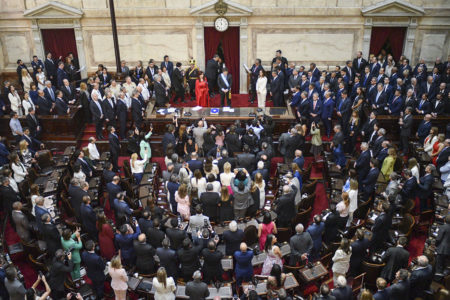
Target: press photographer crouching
(61,266)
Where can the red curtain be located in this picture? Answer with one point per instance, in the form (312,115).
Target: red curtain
(230,45)
(380,35)
(59,42)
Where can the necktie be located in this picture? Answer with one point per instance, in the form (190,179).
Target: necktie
(51,93)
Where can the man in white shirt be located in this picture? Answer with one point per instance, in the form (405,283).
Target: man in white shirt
(143,89)
(95,90)
(94,155)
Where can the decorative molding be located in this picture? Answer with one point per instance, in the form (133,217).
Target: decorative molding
(53,10)
(393,8)
(208,9)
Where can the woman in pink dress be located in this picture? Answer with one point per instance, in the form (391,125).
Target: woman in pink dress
(182,198)
(201,90)
(267,227)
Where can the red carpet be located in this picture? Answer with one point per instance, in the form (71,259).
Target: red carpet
(237,100)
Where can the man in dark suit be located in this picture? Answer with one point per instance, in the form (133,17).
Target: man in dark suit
(145,263)
(342,291)
(175,234)
(194,163)
(34,144)
(276,89)
(382,293)
(377,142)
(378,100)
(301,245)
(97,115)
(438,105)
(443,155)
(232,238)
(76,193)
(177,83)
(122,114)
(50,234)
(359,63)
(212,266)
(109,109)
(226,159)
(359,253)
(88,218)
(197,289)
(374,67)
(429,87)
(254,74)
(443,245)
(85,167)
(168,258)
(286,205)
(424,128)
(37,63)
(344,110)
(246,160)
(39,211)
(211,72)
(168,65)
(61,75)
(108,174)
(33,123)
(50,68)
(225,82)
(136,110)
(400,290)
(405,130)
(69,92)
(425,187)
(396,105)
(423,106)
(95,268)
(44,104)
(420,278)
(408,189)
(395,259)
(369,182)
(114,148)
(380,227)
(62,109)
(59,270)
(21,222)
(209,201)
(362,164)
(113,188)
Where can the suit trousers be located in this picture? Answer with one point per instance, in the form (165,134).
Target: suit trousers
(99,288)
(262,100)
(253,93)
(240,213)
(440,262)
(179,94)
(99,128)
(404,145)
(211,85)
(227,97)
(327,124)
(115,160)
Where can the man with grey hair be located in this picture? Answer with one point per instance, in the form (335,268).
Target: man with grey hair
(196,289)
(39,211)
(425,187)
(342,291)
(161,93)
(50,234)
(286,205)
(301,245)
(376,143)
(232,238)
(362,164)
(421,277)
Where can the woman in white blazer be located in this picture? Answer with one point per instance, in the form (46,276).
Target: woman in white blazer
(27,103)
(261,89)
(14,99)
(19,169)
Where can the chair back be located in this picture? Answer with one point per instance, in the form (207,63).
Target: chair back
(372,272)
(307,202)
(357,284)
(302,217)
(251,235)
(283,234)
(309,188)
(326,259)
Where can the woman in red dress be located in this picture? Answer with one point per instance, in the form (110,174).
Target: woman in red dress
(201,90)
(105,237)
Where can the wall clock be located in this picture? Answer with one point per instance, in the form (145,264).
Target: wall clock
(221,24)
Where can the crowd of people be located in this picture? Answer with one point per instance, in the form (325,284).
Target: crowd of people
(216,175)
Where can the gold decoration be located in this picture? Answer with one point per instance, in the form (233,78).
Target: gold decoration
(221,7)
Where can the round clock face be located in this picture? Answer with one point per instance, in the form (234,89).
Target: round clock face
(221,24)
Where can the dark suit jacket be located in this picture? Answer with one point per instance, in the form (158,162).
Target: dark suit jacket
(363,164)
(155,236)
(247,161)
(61,107)
(209,202)
(168,138)
(425,186)
(359,68)
(58,273)
(108,110)
(286,205)
(232,241)
(113,190)
(94,266)
(222,85)
(212,265)
(381,295)
(51,237)
(197,290)
(76,196)
(405,129)
(169,67)
(160,94)
(50,67)
(233,143)
(176,237)
(370,180)
(211,71)
(342,293)
(420,281)
(88,219)
(395,258)
(114,144)
(409,188)
(145,263)
(108,175)
(443,240)
(399,290)
(45,105)
(32,124)
(61,75)
(168,260)
(442,158)
(68,96)
(379,229)
(95,111)
(136,110)
(359,253)
(177,80)
(189,260)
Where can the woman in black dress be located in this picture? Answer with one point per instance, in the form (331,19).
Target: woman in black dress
(226,205)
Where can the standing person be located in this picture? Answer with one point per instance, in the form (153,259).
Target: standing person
(114,147)
(443,245)
(196,289)
(72,242)
(405,123)
(255,74)
(105,237)
(177,81)
(212,70)
(164,286)
(201,91)
(60,268)
(341,260)
(119,278)
(97,115)
(276,89)
(95,268)
(273,255)
(191,77)
(14,99)
(265,228)
(225,81)
(316,141)
(301,245)
(261,88)
(13,286)
(244,268)
(137,167)
(183,204)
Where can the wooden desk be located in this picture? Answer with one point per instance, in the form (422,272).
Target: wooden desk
(261,287)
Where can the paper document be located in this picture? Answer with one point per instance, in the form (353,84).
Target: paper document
(197,108)
(246,68)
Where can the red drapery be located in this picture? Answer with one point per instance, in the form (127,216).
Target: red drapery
(230,45)
(59,42)
(380,35)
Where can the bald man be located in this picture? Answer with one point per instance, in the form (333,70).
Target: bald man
(421,277)
(244,268)
(145,263)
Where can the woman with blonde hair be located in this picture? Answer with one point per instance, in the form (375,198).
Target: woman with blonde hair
(437,148)
(226,212)
(343,208)
(353,196)
(388,163)
(182,198)
(119,278)
(137,167)
(413,166)
(259,182)
(14,99)
(27,103)
(164,286)
(429,141)
(341,260)
(26,80)
(366,295)
(25,153)
(227,176)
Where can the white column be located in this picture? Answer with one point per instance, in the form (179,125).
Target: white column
(80,47)
(37,40)
(243,55)
(200,41)
(409,41)
(366,37)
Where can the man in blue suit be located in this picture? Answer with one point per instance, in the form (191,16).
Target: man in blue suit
(396,105)
(62,109)
(429,87)
(49,91)
(88,218)
(315,72)
(423,106)
(298,159)
(382,293)
(304,84)
(45,104)
(304,107)
(194,163)
(362,164)
(121,209)
(425,187)
(168,65)
(344,110)
(374,67)
(421,278)
(368,183)
(355,86)
(295,101)
(113,189)
(327,112)
(342,291)
(94,268)
(379,100)
(85,167)
(316,108)
(124,242)
(61,74)
(39,211)
(424,128)
(244,268)
(316,230)
(408,189)
(359,252)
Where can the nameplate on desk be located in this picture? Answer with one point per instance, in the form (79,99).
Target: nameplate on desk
(146,285)
(133,282)
(227,264)
(214,111)
(223,292)
(285,249)
(259,259)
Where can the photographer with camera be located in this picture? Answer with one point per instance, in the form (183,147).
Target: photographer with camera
(61,266)
(15,288)
(31,292)
(72,243)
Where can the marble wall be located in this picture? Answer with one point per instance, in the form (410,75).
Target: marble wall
(432,46)
(15,45)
